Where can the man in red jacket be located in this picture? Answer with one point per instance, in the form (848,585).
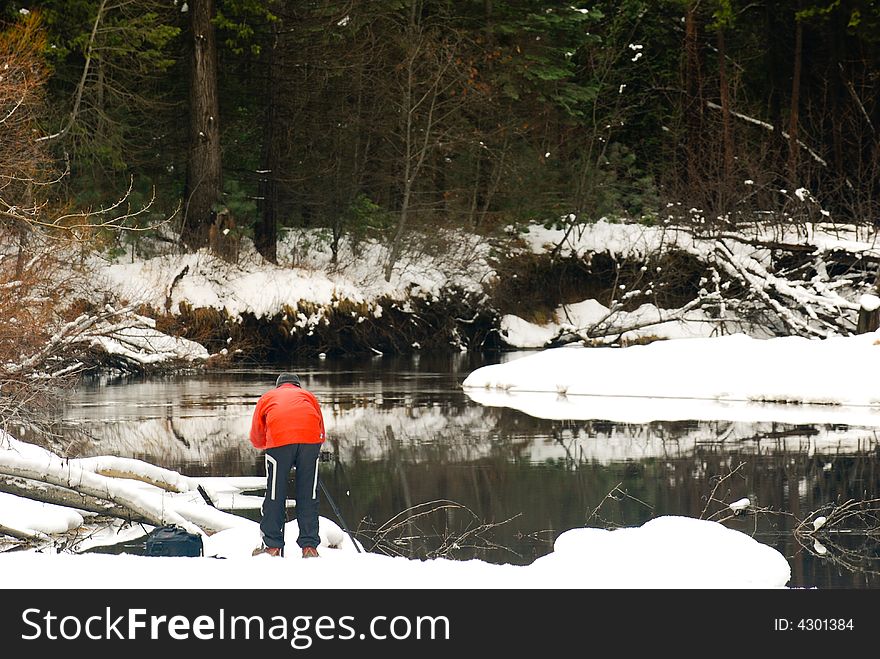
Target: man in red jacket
(289,426)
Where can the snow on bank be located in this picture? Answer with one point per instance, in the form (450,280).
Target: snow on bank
(745,257)
(666,552)
(650,320)
(636,240)
(308,283)
(304,276)
(666,378)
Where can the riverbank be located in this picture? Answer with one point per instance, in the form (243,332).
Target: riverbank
(603,284)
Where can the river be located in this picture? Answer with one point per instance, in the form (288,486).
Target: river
(420,469)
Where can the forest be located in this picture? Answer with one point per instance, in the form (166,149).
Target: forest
(205,125)
(391,116)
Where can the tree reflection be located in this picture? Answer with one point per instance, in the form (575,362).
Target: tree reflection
(514,482)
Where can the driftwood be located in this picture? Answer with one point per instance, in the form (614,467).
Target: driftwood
(64,473)
(813,294)
(19,534)
(63,496)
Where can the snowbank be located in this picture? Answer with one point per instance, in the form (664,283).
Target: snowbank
(665,376)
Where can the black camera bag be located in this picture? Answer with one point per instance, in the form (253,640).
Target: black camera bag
(174,540)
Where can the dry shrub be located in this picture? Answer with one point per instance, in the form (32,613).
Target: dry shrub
(221,334)
(30,294)
(200,324)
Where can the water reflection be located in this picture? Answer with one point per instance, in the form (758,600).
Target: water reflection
(403,434)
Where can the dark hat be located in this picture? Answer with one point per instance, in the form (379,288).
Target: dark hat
(284,378)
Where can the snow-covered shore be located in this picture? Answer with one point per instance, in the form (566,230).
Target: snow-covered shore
(735,371)
(306,293)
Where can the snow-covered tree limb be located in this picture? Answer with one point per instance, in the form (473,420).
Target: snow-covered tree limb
(62,496)
(155,506)
(133,469)
(761,283)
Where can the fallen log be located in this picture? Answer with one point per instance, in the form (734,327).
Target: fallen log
(62,496)
(54,470)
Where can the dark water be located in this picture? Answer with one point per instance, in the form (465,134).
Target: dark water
(423,470)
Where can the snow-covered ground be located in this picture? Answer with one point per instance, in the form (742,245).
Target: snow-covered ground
(666,552)
(303,276)
(307,285)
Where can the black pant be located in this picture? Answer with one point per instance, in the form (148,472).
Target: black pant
(279,462)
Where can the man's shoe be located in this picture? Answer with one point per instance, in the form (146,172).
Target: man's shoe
(272,551)
(310,552)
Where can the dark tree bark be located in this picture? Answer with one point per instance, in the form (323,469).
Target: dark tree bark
(266,226)
(726,124)
(795,104)
(693,100)
(204,174)
(775,78)
(839,55)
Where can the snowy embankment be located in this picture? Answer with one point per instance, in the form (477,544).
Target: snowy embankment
(665,378)
(827,270)
(666,552)
(306,299)
(446,295)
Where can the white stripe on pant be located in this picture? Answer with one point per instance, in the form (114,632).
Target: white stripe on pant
(274,465)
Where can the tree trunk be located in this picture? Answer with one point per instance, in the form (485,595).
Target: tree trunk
(795,103)
(266,226)
(869,321)
(775,61)
(693,99)
(840,56)
(62,496)
(726,124)
(409,169)
(204,175)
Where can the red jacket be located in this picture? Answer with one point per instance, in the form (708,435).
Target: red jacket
(287,415)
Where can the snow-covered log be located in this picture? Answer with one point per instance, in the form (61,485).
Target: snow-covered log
(62,496)
(28,461)
(134,469)
(125,488)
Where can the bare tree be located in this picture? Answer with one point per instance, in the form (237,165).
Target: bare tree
(425,105)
